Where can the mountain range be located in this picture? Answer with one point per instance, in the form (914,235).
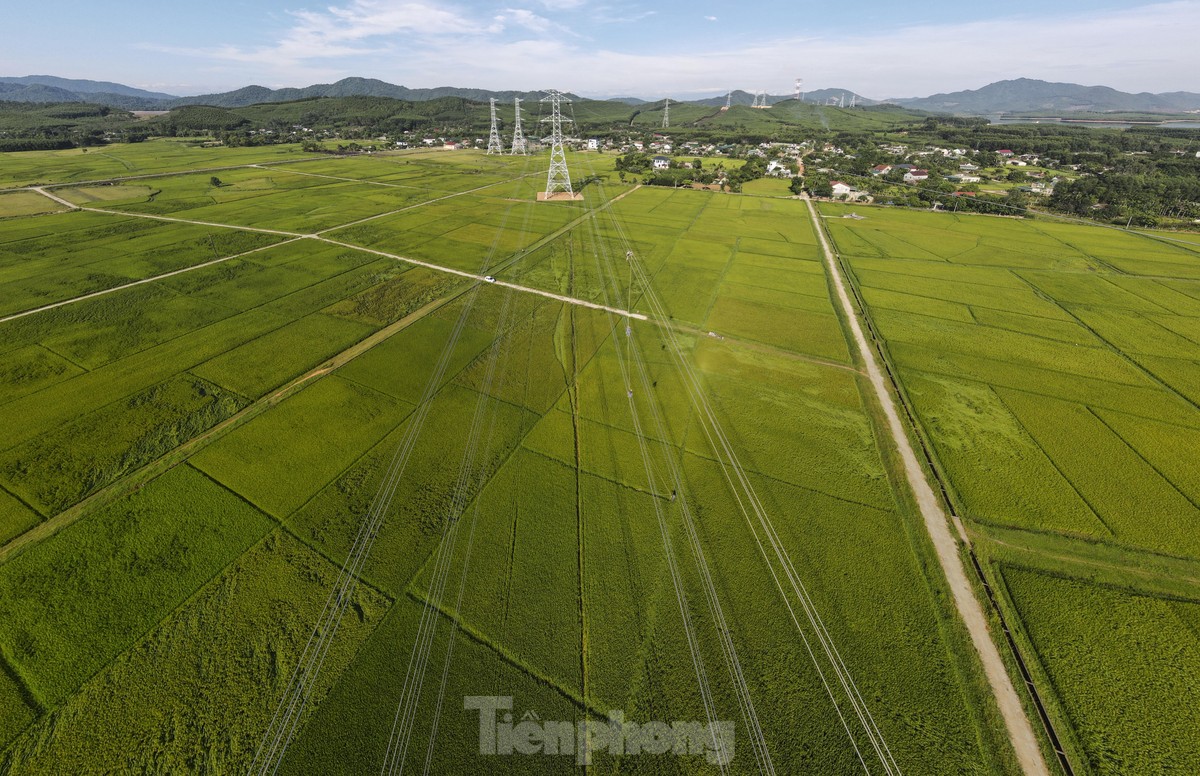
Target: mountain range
(1012,96)
(1029,95)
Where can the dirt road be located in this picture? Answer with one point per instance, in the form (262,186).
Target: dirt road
(1020,731)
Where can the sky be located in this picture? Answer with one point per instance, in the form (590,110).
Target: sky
(685,49)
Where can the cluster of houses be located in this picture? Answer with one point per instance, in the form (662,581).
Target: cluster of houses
(912,173)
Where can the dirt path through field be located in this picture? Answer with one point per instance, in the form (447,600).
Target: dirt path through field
(1020,731)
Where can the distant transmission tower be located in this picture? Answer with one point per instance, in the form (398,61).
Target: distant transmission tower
(494,146)
(518,144)
(558,178)
(799,90)
(853,100)
(728,100)
(667,113)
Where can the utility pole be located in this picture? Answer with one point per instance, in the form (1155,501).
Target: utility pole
(558,178)
(518,144)
(667,113)
(494,146)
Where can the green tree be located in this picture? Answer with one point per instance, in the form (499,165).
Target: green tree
(215,181)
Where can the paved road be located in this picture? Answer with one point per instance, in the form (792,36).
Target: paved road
(1020,731)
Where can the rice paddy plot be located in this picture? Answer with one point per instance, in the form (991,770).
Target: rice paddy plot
(197,690)
(281,459)
(159,156)
(73,254)
(1140,717)
(55,470)
(26,203)
(147,552)
(267,362)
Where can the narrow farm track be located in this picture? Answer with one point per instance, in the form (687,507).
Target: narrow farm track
(170,219)
(294,236)
(500,283)
(937,523)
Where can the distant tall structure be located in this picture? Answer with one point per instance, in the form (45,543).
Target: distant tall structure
(728,101)
(494,146)
(667,113)
(760,99)
(518,144)
(853,100)
(800,90)
(558,178)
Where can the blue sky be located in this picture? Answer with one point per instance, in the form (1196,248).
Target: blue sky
(610,47)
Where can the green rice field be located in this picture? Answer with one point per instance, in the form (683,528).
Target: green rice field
(240,419)
(1051,369)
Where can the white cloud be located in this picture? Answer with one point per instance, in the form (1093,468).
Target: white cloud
(528,20)
(1151,48)
(605,14)
(710,18)
(423,44)
(340,32)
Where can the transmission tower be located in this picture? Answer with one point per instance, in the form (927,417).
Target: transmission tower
(558,178)
(800,90)
(667,113)
(853,100)
(728,100)
(518,144)
(494,146)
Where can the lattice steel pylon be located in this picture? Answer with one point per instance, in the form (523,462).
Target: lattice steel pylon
(667,114)
(518,144)
(558,178)
(494,146)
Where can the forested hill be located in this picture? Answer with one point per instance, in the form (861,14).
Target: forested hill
(1027,94)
